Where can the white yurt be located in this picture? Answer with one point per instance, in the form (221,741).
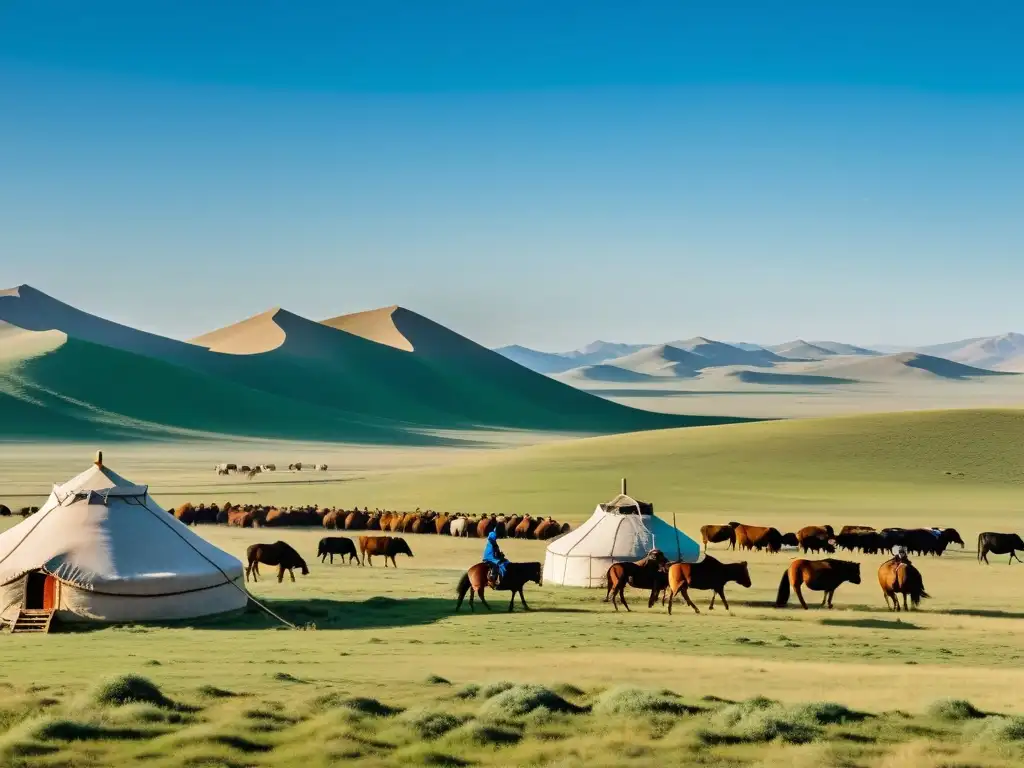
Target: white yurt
(101,549)
(622,529)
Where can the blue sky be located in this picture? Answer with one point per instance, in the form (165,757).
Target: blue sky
(541,173)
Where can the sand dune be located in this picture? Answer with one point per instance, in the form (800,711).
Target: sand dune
(719,353)
(801,350)
(604,372)
(375,325)
(252,336)
(902,365)
(839,348)
(17,344)
(662,360)
(1002,352)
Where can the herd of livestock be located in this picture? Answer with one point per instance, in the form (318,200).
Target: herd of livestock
(426,522)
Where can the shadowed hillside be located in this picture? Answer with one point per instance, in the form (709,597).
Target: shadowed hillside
(903,365)
(788,463)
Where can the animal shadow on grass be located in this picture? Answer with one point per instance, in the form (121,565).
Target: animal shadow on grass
(983,614)
(869,623)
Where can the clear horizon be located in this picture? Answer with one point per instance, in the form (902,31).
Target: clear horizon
(523,175)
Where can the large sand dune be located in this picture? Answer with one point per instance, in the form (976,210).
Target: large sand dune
(257,334)
(374,325)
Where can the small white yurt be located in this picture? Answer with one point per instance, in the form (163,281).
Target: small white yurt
(622,529)
(101,549)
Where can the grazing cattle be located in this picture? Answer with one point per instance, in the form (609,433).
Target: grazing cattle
(516,575)
(337,545)
(231,467)
(241,518)
(856,529)
(334,519)
(268,467)
(647,573)
(186,513)
(999,544)
(484,526)
(296,467)
(205,515)
(277,554)
(421,524)
(397,523)
(868,542)
(546,529)
(355,521)
(222,471)
(716,534)
(252,473)
(459,527)
(951,536)
(930,541)
(26,511)
(526,527)
(815,544)
(898,578)
(790,540)
(820,575)
(707,574)
(757,537)
(5,511)
(817,533)
(893,537)
(511,522)
(245,469)
(388,546)
(320,467)
(373,524)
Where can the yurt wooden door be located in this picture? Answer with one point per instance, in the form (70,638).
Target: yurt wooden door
(50,593)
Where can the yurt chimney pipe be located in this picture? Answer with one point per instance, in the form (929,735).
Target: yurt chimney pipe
(99,459)
(623,486)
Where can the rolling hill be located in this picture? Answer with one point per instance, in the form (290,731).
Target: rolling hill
(379,376)
(718,353)
(854,463)
(1002,352)
(900,366)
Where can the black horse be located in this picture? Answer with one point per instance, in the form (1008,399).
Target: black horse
(516,575)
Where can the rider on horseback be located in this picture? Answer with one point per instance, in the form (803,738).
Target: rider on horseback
(496,559)
(899,553)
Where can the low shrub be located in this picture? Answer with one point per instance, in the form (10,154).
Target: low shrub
(493,689)
(520,700)
(954,710)
(431,725)
(437,680)
(490,734)
(997,730)
(638,701)
(129,689)
(826,713)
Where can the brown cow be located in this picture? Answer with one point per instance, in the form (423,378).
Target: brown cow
(719,533)
(186,513)
(848,529)
(240,518)
(816,532)
(442,524)
(388,546)
(280,554)
(758,537)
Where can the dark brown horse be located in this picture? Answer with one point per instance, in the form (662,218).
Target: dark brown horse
(709,573)
(516,575)
(648,573)
(820,575)
(896,578)
(277,554)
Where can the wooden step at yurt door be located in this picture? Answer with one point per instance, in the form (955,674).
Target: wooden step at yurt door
(28,620)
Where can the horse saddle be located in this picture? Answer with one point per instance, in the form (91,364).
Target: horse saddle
(493,576)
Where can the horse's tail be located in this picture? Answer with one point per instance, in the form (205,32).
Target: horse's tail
(783,597)
(608,584)
(980,537)
(464,585)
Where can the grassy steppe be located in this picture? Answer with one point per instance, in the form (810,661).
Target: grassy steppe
(382,633)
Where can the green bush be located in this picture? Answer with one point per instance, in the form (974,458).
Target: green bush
(129,689)
(437,680)
(638,701)
(520,700)
(490,734)
(432,725)
(493,689)
(954,710)
(826,713)
(1001,730)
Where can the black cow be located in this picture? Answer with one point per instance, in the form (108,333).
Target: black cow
(999,544)
(337,545)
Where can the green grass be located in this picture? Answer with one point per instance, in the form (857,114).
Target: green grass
(573,682)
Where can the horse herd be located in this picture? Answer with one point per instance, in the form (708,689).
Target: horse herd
(822,538)
(428,522)
(258,469)
(284,557)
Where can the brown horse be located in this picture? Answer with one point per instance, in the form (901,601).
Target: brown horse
(820,575)
(648,573)
(277,554)
(709,573)
(896,578)
(516,575)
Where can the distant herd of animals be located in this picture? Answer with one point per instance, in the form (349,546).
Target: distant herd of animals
(822,538)
(258,469)
(428,522)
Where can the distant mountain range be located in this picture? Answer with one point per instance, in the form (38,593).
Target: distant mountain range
(797,361)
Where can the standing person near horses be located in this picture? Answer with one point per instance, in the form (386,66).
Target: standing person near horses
(495,559)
